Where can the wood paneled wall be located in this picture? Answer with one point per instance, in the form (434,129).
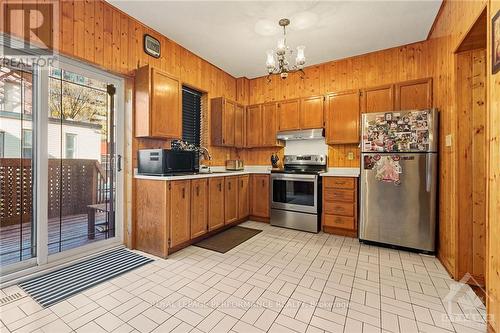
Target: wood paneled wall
(493,251)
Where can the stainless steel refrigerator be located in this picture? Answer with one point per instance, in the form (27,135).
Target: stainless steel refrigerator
(399,164)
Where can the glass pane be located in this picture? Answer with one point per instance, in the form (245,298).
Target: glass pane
(17,236)
(293,192)
(79,151)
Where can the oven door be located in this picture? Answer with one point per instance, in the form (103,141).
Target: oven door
(294,192)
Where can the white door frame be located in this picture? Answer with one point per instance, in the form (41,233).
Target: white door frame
(44,261)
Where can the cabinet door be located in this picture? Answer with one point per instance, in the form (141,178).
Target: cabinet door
(239,126)
(228,122)
(378,99)
(166,112)
(414,95)
(269,124)
(260,195)
(216,203)
(199,207)
(254,126)
(311,112)
(180,212)
(289,115)
(342,117)
(231,199)
(243,196)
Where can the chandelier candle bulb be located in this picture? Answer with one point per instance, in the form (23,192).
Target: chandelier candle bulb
(270,62)
(300,60)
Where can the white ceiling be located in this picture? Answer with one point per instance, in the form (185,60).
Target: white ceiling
(234,35)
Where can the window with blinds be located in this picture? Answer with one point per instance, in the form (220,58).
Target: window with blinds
(191,115)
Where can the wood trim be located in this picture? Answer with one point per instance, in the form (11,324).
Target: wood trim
(259,219)
(340,232)
(438,17)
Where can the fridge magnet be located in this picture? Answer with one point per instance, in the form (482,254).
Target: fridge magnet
(388,117)
(368,162)
(388,170)
(495,42)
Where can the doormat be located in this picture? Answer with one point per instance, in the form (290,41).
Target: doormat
(58,285)
(228,239)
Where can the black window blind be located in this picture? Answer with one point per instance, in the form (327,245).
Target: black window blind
(191,115)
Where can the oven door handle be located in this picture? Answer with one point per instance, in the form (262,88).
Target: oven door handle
(307,178)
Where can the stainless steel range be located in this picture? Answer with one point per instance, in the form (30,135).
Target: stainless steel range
(296,193)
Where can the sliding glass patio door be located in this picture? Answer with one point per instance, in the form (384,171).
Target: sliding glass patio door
(60,173)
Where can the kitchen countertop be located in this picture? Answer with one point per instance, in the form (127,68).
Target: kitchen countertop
(216,172)
(342,172)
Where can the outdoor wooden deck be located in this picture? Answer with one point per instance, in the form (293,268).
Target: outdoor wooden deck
(70,232)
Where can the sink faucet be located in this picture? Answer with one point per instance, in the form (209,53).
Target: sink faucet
(203,151)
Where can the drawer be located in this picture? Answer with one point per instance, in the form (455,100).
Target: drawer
(340,182)
(339,208)
(333,195)
(336,221)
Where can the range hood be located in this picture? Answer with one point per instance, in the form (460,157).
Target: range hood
(310,134)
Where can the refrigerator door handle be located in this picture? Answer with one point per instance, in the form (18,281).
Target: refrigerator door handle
(428,172)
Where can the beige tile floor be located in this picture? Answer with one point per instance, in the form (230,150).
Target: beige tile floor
(279,281)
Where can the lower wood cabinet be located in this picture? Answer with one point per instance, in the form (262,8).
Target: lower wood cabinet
(216,203)
(340,208)
(243,196)
(260,196)
(230,199)
(199,207)
(180,212)
(152,217)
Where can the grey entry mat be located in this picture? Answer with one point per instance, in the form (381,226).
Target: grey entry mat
(228,239)
(58,285)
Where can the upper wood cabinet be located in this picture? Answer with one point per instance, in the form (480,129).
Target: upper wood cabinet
(343,117)
(254,125)
(289,115)
(269,124)
(199,207)
(311,112)
(158,104)
(414,95)
(239,126)
(216,203)
(260,196)
(180,212)
(378,99)
(243,196)
(231,199)
(226,118)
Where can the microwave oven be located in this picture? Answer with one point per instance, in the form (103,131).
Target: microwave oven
(159,162)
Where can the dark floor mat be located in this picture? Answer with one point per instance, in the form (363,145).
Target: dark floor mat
(228,239)
(56,286)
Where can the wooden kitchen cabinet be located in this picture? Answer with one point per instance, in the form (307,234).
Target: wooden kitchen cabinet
(199,207)
(254,126)
(311,112)
(216,203)
(230,199)
(414,95)
(158,104)
(260,196)
(378,99)
(239,126)
(152,218)
(223,122)
(269,124)
(340,206)
(243,196)
(180,212)
(343,117)
(289,115)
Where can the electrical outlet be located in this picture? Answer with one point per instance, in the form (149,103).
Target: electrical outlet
(350,156)
(447,140)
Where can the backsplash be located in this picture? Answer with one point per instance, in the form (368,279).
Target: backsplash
(309,147)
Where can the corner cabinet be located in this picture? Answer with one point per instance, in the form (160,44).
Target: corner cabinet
(227,123)
(158,104)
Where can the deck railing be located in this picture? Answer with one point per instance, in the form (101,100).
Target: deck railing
(72,185)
